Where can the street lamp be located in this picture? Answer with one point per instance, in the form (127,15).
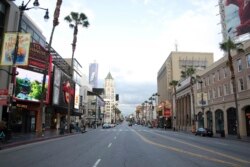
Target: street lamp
(22,8)
(146,102)
(156,95)
(152,107)
(142,109)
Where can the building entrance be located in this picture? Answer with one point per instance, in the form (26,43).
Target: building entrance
(248,120)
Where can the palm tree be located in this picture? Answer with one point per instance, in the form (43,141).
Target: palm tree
(228,46)
(174,83)
(55,23)
(189,72)
(75,19)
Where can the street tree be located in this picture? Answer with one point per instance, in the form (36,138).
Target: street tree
(75,19)
(228,46)
(174,84)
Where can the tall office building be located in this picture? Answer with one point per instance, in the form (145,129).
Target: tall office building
(174,64)
(93,74)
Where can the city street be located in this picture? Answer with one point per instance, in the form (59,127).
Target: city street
(129,146)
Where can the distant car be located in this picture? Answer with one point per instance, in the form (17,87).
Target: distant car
(106,126)
(130,124)
(150,126)
(204,132)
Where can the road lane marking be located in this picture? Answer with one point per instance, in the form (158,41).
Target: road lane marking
(186,152)
(203,148)
(97,162)
(109,145)
(115,137)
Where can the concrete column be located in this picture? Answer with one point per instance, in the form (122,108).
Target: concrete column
(185,112)
(178,113)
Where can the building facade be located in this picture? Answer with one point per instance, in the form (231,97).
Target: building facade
(28,113)
(213,104)
(219,113)
(110,101)
(171,70)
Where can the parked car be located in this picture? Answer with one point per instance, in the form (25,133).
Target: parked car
(130,124)
(204,132)
(106,126)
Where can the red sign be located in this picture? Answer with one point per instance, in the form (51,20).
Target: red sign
(3,91)
(38,57)
(3,97)
(167,112)
(68,91)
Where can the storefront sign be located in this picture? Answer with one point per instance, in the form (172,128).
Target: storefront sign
(38,58)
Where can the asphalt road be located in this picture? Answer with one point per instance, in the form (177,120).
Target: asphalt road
(124,146)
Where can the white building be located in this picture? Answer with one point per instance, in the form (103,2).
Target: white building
(110,102)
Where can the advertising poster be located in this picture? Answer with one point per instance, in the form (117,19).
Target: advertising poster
(56,87)
(237,17)
(77,96)
(8,51)
(93,74)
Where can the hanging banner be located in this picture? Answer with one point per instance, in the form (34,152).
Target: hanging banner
(202,101)
(8,51)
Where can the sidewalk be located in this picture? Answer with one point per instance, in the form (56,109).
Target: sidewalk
(18,139)
(227,137)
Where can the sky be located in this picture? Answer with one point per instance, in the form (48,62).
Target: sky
(131,39)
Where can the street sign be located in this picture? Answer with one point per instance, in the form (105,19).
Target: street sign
(10,89)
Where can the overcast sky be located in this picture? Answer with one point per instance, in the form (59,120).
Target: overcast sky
(132,38)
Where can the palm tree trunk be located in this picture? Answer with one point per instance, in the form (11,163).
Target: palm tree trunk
(230,62)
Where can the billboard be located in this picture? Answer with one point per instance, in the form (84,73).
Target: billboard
(77,96)
(29,85)
(30,78)
(60,96)
(56,85)
(8,49)
(93,74)
(236,17)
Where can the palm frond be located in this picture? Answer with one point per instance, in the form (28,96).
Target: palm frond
(74,16)
(68,19)
(85,24)
(83,16)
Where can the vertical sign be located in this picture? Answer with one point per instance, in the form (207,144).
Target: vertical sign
(8,50)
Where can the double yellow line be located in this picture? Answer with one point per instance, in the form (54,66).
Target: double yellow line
(193,154)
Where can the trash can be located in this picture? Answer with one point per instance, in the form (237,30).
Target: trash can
(222,133)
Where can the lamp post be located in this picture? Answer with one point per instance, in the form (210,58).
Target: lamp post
(151,108)
(146,102)
(22,8)
(156,95)
(142,109)
(202,102)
